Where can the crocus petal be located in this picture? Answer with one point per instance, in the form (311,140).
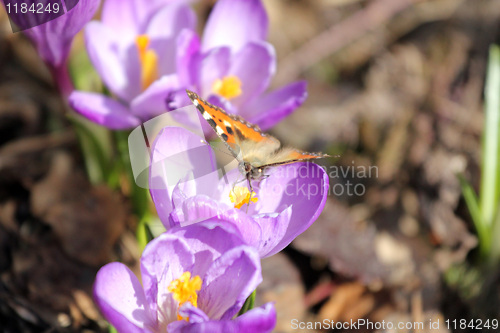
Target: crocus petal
(304,187)
(261,319)
(274,228)
(130,17)
(201,207)
(151,102)
(120,296)
(223,237)
(103,110)
(194,314)
(217,207)
(175,153)
(164,36)
(53,39)
(266,111)
(188,45)
(254,65)
(117,65)
(235,23)
(122,16)
(170,20)
(178,99)
(165,48)
(265,223)
(235,275)
(164,259)
(213,65)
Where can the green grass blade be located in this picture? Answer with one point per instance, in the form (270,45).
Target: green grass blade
(249,304)
(471,201)
(95,145)
(490,173)
(494,251)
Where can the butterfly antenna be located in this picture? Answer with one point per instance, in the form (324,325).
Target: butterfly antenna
(215,148)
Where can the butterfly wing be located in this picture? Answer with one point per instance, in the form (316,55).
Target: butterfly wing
(262,150)
(263,156)
(290,155)
(216,118)
(245,140)
(237,133)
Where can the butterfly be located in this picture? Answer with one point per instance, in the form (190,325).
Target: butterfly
(254,150)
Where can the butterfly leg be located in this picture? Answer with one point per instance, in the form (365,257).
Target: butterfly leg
(250,187)
(239,181)
(236,182)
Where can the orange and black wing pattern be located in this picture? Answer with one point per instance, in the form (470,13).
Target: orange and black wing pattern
(245,140)
(232,129)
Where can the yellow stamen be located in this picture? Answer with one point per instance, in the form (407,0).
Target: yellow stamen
(229,87)
(185,289)
(240,195)
(149,61)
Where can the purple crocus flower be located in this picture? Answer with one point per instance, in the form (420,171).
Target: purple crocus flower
(186,188)
(194,279)
(134,50)
(53,39)
(258,320)
(232,66)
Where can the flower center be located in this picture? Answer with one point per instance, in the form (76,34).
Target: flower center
(149,61)
(229,87)
(185,289)
(240,195)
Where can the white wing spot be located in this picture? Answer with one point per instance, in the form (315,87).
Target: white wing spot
(195,102)
(206,115)
(219,130)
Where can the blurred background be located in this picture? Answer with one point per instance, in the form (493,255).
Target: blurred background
(395,89)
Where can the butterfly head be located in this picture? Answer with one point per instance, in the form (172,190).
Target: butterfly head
(250,171)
